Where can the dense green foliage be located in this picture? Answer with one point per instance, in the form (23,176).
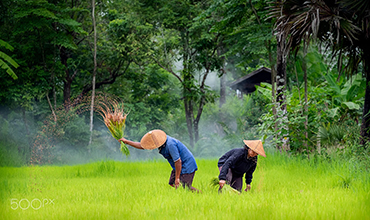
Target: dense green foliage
(333,103)
(169,62)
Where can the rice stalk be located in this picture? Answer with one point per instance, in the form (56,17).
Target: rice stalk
(226,188)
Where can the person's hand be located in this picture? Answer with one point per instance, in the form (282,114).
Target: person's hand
(123,140)
(177,183)
(222,183)
(248,188)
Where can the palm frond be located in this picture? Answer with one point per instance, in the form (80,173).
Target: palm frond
(9,70)
(340,25)
(6,45)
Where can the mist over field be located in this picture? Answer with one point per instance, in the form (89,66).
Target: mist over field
(72,148)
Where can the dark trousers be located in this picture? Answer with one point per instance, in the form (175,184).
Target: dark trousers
(235,182)
(186,179)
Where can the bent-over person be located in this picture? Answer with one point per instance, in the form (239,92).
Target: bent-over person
(177,154)
(237,162)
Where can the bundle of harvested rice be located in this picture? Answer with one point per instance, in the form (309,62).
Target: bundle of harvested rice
(115,118)
(226,188)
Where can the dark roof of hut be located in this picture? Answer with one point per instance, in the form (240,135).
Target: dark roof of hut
(246,84)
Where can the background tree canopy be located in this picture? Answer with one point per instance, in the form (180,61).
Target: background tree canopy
(170,63)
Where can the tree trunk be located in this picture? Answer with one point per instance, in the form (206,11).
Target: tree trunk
(273,84)
(197,119)
(222,88)
(365,133)
(200,107)
(189,119)
(187,84)
(305,105)
(188,103)
(27,132)
(93,79)
(54,92)
(196,127)
(281,110)
(51,108)
(67,79)
(222,80)
(67,93)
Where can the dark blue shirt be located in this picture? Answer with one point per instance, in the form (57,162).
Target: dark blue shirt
(174,150)
(239,163)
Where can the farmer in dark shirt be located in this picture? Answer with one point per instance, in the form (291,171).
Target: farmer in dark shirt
(180,158)
(237,162)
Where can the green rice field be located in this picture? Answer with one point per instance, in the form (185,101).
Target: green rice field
(282,188)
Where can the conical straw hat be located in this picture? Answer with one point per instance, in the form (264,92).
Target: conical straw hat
(256,146)
(153,139)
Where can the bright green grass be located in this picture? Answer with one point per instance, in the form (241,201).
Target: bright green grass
(282,188)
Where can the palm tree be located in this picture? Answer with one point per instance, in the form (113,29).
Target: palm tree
(342,25)
(282,29)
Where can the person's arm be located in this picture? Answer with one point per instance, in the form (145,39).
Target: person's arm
(225,168)
(249,176)
(178,166)
(172,147)
(131,143)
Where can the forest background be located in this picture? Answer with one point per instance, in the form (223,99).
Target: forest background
(170,63)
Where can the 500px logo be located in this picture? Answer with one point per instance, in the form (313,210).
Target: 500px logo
(26,204)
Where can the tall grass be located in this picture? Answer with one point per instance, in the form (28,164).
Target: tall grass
(282,188)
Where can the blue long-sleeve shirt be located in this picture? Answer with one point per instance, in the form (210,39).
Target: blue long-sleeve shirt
(174,150)
(239,163)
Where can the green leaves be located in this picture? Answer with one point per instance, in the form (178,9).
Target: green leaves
(64,40)
(265,89)
(351,105)
(4,59)
(6,45)
(332,84)
(42,12)
(348,96)
(244,29)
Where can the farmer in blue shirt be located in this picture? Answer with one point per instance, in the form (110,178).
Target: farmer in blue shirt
(180,158)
